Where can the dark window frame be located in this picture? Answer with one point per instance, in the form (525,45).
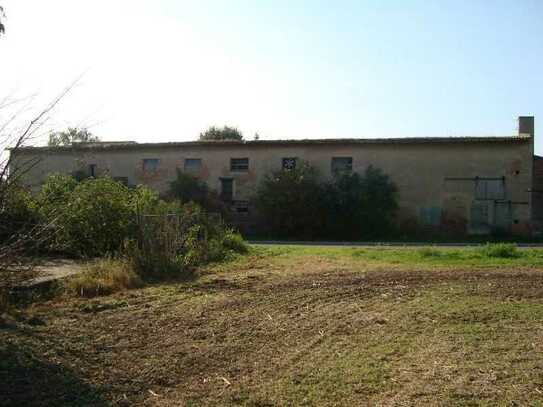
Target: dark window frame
(239,164)
(188,168)
(483,193)
(222,192)
(146,161)
(92,170)
(285,160)
(334,165)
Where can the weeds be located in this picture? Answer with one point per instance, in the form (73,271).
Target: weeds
(104,276)
(499,250)
(233,241)
(350,329)
(425,252)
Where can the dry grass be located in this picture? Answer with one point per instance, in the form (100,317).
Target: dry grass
(104,276)
(291,328)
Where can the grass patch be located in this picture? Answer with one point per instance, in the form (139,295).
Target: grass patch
(304,326)
(102,277)
(488,255)
(429,252)
(499,250)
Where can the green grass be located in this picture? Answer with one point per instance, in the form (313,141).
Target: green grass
(490,254)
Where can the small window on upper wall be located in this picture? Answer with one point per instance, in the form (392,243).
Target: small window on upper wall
(490,189)
(342,164)
(150,164)
(239,164)
(193,164)
(289,163)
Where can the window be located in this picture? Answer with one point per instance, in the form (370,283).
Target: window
(289,163)
(193,164)
(342,164)
(227,189)
(150,164)
(490,188)
(122,180)
(92,170)
(239,164)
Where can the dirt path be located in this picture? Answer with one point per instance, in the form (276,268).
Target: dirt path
(55,269)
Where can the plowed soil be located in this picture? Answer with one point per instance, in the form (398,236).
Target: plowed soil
(290,330)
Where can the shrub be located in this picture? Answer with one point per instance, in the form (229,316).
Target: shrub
(175,238)
(188,188)
(295,203)
(91,218)
(290,202)
(18,214)
(104,276)
(234,242)
(360,206)
(100,216)
(499,250)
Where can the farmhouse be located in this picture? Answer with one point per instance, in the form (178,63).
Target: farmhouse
(469,185)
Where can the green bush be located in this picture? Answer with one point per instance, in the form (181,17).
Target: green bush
(99,216)
(499,250)
(175,238)
(360,206)
(90,218)
(290,203)
(18,215)
(234,241)
(295,203)
(187,188)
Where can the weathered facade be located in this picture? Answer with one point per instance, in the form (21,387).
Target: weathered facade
(473,185)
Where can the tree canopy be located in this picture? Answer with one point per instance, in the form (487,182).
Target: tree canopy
(226,133)
(72,135)
(2,15)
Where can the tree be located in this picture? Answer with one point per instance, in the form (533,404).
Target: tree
(188,188)
(296,203)
(360,205)
(226,133)
(2,15)
(20,233)
(70,136)
(290,203)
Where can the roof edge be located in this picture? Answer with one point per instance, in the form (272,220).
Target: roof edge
(217,143)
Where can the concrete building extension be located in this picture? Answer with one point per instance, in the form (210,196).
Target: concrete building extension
(468,185)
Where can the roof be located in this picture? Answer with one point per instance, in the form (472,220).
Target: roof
(218,143)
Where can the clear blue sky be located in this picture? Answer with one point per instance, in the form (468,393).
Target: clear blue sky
(165,70)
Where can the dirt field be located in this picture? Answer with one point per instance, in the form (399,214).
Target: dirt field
(291,326)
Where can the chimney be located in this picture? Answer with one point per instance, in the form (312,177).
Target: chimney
(526,125)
